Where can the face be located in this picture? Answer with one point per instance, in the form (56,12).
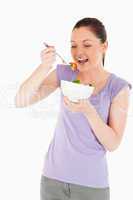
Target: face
(86,49)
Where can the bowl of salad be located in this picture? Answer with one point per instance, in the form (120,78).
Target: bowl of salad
(75,91)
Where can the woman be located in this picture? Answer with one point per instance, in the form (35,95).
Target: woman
(75,164)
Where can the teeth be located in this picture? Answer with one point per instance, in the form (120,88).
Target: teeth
(82,60)
(79,58)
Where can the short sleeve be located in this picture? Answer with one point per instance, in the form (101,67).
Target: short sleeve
(58,73)
(117,85)
(63,72)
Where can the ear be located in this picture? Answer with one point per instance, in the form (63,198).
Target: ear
(105,46)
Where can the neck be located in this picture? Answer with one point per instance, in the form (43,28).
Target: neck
(93,77)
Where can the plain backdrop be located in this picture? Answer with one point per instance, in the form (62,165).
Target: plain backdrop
(25,133)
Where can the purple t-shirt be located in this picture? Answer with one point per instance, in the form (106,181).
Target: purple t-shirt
(75,155)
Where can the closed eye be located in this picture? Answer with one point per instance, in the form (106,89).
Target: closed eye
(84,46)
(73,46)
(88,45)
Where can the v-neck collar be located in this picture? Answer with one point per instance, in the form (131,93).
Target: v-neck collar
(102,89)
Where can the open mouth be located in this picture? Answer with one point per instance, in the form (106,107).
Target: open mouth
(82,61)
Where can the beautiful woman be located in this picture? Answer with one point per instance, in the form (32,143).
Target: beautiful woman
(75,165)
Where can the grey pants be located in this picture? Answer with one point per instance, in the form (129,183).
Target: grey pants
(51,189)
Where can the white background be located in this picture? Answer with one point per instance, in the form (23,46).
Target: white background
(25,133)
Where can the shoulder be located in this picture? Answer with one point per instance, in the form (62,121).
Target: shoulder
(118,85)
(64,72)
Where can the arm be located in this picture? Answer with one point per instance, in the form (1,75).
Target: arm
(37,87)
(110,135)
(40,84)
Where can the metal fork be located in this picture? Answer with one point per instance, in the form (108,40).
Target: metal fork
(46,45)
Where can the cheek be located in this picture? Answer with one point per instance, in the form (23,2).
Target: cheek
(73,52)
(96,55)
(99,56)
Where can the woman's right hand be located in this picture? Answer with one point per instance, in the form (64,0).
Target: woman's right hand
(48,57)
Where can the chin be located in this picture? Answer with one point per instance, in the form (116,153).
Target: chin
(83,67)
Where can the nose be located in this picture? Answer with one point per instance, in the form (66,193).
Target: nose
(79,52)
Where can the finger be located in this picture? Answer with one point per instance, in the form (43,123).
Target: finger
(48,55)
(66,98)
(48,49)
(66,101)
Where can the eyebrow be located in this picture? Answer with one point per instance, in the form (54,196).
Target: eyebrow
(82,41)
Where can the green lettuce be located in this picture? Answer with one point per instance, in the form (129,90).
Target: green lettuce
(76,81)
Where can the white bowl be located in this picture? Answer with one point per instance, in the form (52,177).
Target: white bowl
(75,91)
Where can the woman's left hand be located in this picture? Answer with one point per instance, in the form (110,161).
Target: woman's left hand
(83,106)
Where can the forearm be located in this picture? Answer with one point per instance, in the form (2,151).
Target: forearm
(28,89)
(105,134)
(35,80)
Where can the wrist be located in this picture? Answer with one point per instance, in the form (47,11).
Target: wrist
(45,67)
